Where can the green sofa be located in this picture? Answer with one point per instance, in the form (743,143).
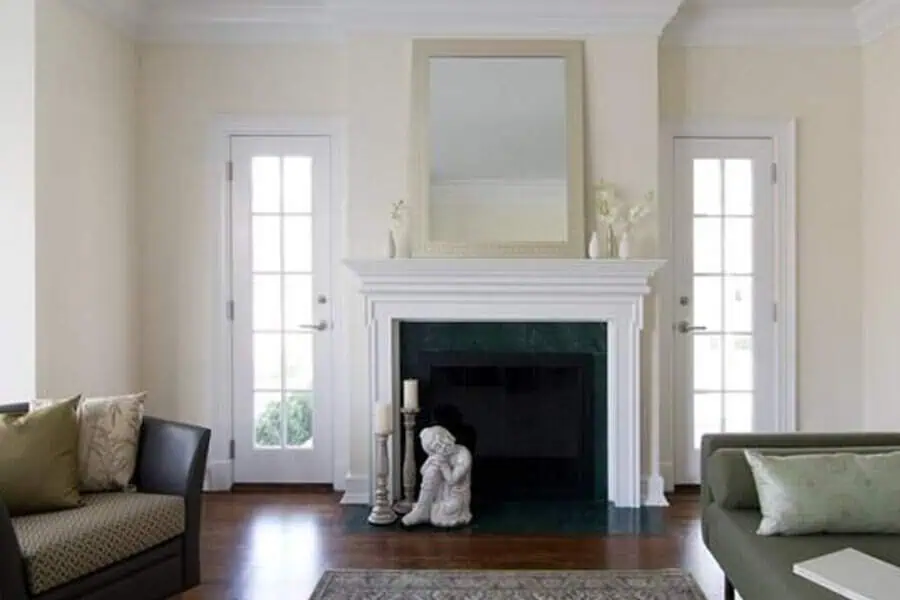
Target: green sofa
(760,567)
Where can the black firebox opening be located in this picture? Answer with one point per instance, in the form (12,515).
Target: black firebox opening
(527,418)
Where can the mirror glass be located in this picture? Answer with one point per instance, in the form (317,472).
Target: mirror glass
(497,131)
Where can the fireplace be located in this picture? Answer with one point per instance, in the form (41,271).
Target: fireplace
(603,293)
(527,399)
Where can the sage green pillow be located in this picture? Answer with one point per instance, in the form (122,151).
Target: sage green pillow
(835,492)
(39,459)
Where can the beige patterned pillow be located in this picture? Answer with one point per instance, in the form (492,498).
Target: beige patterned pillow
(108,433)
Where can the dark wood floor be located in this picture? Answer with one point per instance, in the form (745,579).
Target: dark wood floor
(275,546)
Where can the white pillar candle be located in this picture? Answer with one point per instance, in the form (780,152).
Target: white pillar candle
(384,421)
(411,394)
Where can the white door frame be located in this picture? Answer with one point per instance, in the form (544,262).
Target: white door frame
(783,134)
(220,472)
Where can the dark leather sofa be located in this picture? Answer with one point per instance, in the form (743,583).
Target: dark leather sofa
(171,464)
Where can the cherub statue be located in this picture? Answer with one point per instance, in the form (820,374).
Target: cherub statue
(446,482)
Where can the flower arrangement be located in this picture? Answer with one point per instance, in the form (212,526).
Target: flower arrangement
(618,216)
(398,212)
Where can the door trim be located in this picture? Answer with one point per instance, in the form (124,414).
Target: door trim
(220,471)
(783,134)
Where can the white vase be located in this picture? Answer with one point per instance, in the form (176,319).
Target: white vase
(624,245)
(402,248)
(391,246)
(594,246)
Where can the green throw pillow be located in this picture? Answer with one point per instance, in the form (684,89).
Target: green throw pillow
(827,493)
(39,459)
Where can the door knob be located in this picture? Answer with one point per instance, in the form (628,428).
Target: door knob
(685,327)
(320,326)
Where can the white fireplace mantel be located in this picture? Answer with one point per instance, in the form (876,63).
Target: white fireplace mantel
(609,291)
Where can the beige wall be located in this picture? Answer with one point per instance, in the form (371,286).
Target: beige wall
(86,247)
(182,91)
(881,239)
(17,301)
(821,88)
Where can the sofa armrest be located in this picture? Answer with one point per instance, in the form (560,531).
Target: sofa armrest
(713,442)
(12,569)
(172,460)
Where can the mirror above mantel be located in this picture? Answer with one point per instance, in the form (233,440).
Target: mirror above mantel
(497,148)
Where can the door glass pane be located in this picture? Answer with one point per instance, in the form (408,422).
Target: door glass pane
(707,245)
(738,245)
(267,361)
(298,302)
(267,244)
(707,415)
(298,244)
(267,419)
(739,304)
(738,413)
(708,302)
(266,181)
(267,302)
(707,362)
(299,413)
(298,184)
(739,186)
(707,187)
(739,363)
(298,361)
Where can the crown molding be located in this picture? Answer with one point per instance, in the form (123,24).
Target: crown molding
(721,26)
(275,21)
(874,18)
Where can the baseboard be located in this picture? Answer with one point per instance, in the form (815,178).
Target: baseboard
(357,490)
(219,476)
(667,470)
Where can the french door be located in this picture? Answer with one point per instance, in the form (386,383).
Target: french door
(280,196)
(724,269)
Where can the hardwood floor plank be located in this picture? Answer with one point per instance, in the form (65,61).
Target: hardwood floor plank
(261,546)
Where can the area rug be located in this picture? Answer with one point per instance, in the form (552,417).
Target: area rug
(506,585)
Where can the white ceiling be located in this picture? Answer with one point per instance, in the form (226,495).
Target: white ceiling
(684,21)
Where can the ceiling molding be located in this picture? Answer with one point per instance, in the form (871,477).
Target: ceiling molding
(721,26)
(277,20)
(874,18)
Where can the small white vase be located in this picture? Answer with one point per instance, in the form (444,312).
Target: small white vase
(391,246)
(624,245)
(594,246)
(402,248)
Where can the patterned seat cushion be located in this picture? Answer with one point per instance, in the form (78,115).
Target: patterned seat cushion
(59,547)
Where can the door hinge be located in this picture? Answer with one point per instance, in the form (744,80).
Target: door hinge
(775,312)
(229,171)
(231,450)
(229,310)
(774,173)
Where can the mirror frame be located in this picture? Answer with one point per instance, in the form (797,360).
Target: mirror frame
(572,51)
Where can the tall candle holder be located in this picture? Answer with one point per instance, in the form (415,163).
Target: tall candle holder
(409,462)
(381,510)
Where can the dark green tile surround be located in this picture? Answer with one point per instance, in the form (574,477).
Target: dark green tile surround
(538,337)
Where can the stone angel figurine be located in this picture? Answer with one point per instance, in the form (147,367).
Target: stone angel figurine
(446,482)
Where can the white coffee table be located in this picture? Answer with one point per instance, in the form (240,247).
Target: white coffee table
(853,574)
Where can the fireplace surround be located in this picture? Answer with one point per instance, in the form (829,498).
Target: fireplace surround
(511,290)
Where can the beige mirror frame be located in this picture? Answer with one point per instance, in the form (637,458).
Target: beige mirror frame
(420,168)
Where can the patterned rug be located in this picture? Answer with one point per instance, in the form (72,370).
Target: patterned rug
(506,585)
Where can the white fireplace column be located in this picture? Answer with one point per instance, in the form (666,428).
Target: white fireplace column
(509,290)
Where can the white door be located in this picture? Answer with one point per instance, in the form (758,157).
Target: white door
(724,266)
(282,310)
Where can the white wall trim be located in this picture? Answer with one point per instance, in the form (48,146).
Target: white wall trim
(783,134)
(874,18)
(357,490)
(747,26)
(221,417)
